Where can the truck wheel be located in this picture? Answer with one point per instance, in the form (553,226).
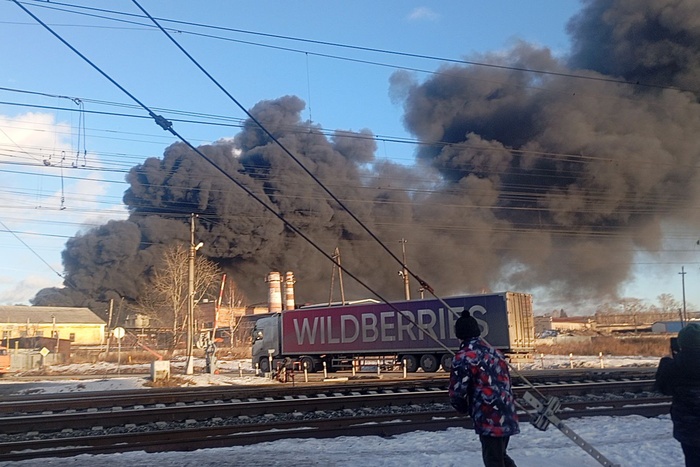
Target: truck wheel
(429,363)
(308,363)
(446,362)
(411,363)
(264,365)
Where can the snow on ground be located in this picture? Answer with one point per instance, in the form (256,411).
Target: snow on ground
(240,372)
(236,372)
(112,377)
(629,441)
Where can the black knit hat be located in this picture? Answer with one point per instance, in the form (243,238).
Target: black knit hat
(466,327)
(689,337)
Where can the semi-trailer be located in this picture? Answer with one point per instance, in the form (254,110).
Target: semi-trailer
(419,333)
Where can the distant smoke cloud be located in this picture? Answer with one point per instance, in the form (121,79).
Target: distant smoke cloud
(523,180)
(566,177)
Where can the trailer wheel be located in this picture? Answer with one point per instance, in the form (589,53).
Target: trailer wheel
(429,363)
(264,365)
(411,363)
(308,363)
(446,362)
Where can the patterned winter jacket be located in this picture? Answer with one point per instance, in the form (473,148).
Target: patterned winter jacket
(680,377)
(480,386)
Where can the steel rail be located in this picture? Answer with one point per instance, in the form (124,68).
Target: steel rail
(144,397)
(82,414)
(200,410)
(212,437)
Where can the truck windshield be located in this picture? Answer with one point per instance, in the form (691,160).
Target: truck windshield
(257,334)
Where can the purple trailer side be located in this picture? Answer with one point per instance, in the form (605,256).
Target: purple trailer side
(374,328)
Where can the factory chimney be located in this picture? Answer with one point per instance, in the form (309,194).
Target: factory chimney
(274,299)
(289,291)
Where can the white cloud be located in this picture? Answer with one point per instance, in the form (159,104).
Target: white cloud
(45,201)
(15,292)
(33,138)
(423,13)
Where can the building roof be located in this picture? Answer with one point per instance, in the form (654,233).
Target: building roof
(573,319)
(46,314)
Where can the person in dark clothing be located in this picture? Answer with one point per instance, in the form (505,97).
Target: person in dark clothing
(679,377)
(480,386)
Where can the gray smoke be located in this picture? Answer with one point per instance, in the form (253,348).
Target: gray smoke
(524,180)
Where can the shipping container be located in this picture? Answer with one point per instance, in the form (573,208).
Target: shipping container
(417,332)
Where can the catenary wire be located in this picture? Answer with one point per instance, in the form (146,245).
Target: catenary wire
(167,126)
(53,4)
(343,207)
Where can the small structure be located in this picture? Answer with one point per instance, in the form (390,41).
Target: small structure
(666,326)
(80,326)
(573,323)
(160,370)
(542,324)
(137,320)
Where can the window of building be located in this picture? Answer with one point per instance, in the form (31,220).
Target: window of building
(72,337)
(6,335)
(39,334)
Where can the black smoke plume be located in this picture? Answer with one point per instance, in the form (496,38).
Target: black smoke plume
(524,180)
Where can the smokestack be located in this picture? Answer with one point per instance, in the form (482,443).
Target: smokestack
(289,291)
(274,300)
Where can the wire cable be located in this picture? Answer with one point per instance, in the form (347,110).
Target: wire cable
(167,126)
(342,205)
(32,250)
(52,5)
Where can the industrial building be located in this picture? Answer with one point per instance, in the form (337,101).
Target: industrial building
(80,326)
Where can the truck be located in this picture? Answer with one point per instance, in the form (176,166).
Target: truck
(415,333)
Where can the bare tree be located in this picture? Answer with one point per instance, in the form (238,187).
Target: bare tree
(168,302)
(234,299)
(668,303)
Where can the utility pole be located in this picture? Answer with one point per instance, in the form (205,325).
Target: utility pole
(684,316)
(404,271)
(336,265)
(109,325)
(189,368)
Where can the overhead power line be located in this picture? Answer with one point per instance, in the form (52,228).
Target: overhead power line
(291,155)
(55,5)
(167,126)
(32,250)
(510,194)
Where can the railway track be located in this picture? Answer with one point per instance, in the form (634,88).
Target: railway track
(562,382)
(206,417)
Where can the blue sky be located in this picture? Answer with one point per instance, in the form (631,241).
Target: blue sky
(46,199)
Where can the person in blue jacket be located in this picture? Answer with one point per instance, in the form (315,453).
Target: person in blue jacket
(679,377)
(480,386)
